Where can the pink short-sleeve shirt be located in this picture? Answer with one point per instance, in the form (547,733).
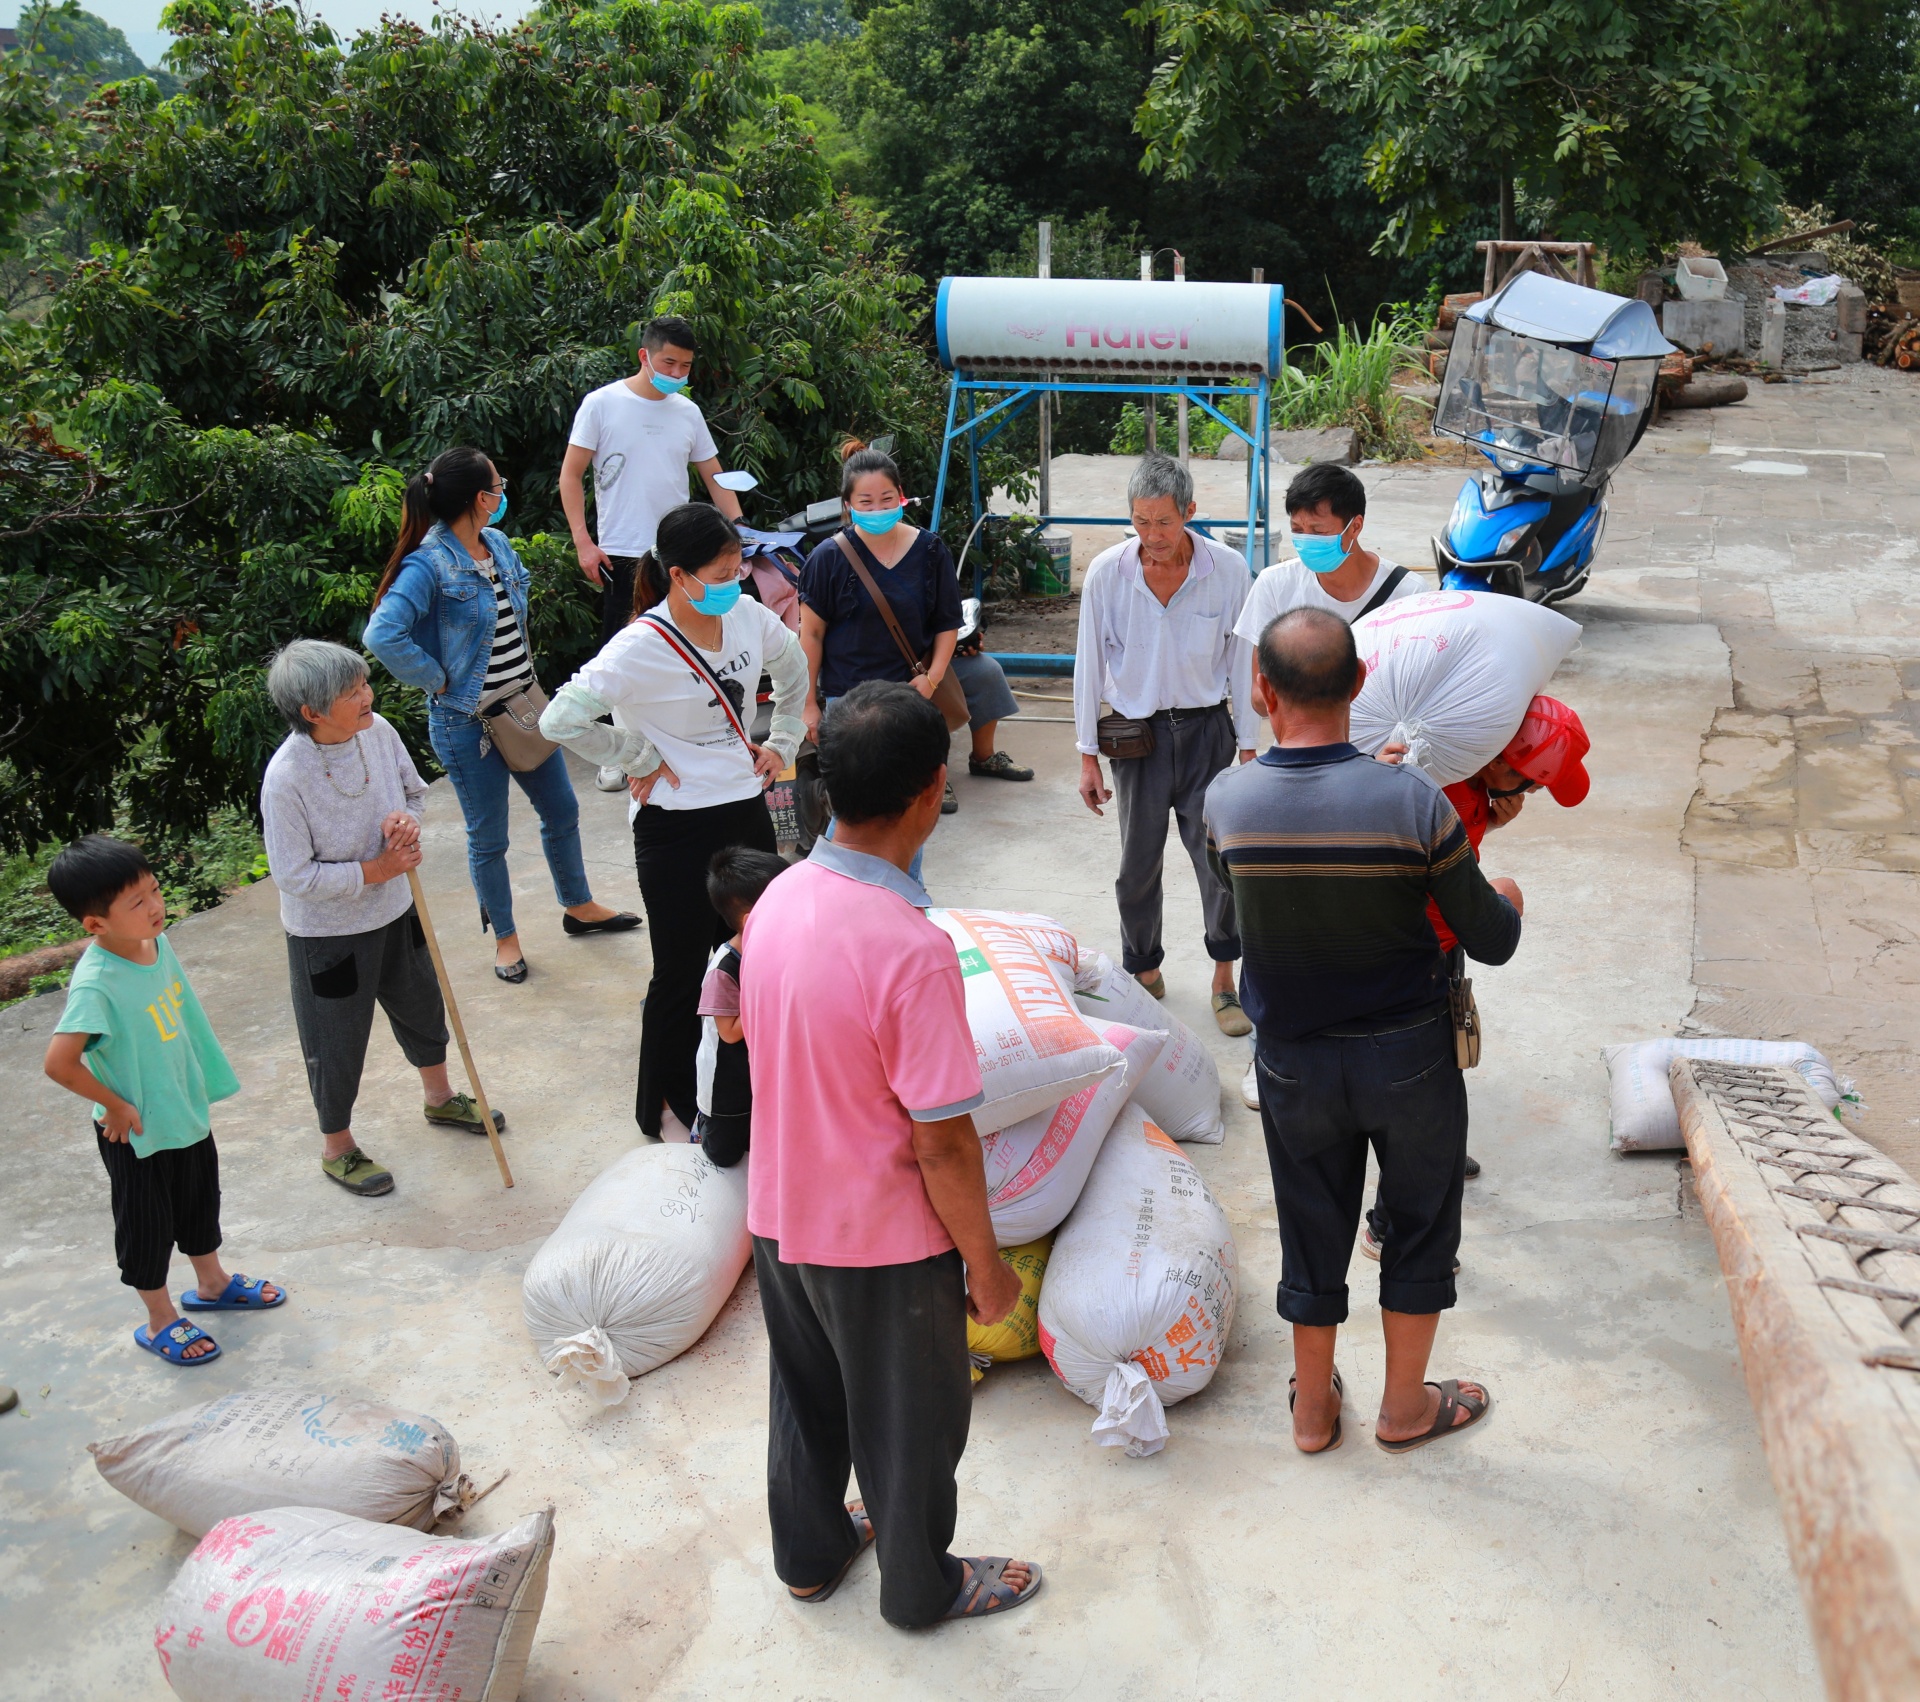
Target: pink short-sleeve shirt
(856,1027)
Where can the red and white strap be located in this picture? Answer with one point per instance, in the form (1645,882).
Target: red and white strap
(702,672)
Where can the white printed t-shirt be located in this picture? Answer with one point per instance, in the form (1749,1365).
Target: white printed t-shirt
(1290,585)
(641,453)
(652,691)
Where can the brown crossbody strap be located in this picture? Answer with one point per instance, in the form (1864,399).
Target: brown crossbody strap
(880,602)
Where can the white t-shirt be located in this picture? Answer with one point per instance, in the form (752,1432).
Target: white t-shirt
(641,453)
(1290,585)
(652,691)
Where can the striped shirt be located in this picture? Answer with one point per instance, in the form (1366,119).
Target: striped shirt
(508,662)
(1332,858)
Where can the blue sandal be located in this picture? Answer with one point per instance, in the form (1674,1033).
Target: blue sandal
(238,1296)
(174,1341)
(986,1590)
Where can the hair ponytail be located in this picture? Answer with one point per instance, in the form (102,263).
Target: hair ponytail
(689,537)
(449,487)
(857,460)
(650,584)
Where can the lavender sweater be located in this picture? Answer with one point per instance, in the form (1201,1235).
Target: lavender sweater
(318,836)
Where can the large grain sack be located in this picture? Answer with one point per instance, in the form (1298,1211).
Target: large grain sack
(1138,1300)
(1035,1048)
(1643,1113)
(1450,675)
(1181,1091)
(639,1266)
(293,1604)
(1037,1167)
(1018,1335)
(269,1448)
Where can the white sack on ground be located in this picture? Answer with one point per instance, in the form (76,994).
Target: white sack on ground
(1644,1116)
(1450,675)
(1181,1091)
(293,1604)
(270,1448)
(1138,1300)
(1037,1167)
(639,1267)
(1035,1048)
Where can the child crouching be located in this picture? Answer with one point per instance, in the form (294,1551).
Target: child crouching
(736,878)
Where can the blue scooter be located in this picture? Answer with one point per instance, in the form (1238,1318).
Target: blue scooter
(1553,384)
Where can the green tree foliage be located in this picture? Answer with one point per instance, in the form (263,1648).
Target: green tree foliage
(66,35)
(324,261)
(1627,124)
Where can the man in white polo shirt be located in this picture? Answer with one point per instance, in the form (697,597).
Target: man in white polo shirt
(640,435)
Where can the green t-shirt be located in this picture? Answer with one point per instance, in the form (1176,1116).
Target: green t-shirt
(151,1043)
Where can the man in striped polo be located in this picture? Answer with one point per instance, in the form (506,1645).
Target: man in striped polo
(1332,858)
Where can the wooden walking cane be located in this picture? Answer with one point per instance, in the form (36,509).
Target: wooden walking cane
(459,1028)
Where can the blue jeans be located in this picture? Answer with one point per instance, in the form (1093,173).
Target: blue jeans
(480,783)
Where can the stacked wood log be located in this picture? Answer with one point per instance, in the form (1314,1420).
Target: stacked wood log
(1439,340)
(1893,337)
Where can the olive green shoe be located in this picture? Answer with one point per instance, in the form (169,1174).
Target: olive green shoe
(460,1112)
(358,1174)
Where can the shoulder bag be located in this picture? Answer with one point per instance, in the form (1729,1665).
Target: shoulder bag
(510,718)
(1387,590)
(949,697)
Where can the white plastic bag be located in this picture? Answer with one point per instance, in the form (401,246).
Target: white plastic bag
(1181,1090)
(293,1604)
(639,1267)
(1138,1299)
(270,1448)
(1037,1167)
(1035,1048)
(1450,675)
(1645,1118)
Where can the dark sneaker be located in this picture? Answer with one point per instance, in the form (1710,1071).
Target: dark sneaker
(358,1174)
(460,1112)
(949,804)
(999,766)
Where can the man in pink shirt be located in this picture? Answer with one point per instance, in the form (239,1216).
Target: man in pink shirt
(867,1195)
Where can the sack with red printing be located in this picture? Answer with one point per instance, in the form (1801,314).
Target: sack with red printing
(1181,1090)
(1138,1301)
(295,1604)
(1037,1167)
(1034,1047)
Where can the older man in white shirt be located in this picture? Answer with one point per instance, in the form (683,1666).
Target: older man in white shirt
(1157,644)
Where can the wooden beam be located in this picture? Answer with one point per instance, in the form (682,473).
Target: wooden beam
(1800,236)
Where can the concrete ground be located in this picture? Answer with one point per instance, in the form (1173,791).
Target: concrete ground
(1610,1531)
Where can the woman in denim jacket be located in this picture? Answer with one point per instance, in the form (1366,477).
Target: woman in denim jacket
(450,617)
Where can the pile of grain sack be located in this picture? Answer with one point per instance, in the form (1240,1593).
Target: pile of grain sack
(1126,1259)
(316,1575)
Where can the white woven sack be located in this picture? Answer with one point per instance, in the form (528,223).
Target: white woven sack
(293,1604)
(1034,1047)
(1138,1300)
(270,1448)
(1644,1116)
(638,1268)
(1181,1090)
(1450,675)
(1036,1168)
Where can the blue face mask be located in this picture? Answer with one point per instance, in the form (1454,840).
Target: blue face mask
(1319,554)
(716,599)
(494,518)
(667,386)
(878,520)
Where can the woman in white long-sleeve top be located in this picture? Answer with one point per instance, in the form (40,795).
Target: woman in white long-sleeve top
(341,805)
(678,682)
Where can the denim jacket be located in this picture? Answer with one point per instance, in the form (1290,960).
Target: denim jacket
(434,627)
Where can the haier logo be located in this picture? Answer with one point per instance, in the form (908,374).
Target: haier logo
(1131,336)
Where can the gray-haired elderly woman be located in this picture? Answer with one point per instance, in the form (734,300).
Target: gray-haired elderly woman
(341,802)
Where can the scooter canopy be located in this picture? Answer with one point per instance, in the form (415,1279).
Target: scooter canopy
(1548,374)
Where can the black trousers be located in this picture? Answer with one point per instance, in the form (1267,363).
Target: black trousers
(671,850)
(869,1374)
(1322,1101)
(167,1200)
(616,595)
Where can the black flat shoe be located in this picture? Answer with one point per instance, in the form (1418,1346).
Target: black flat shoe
(513,973)
(1473,1165)
(612,925)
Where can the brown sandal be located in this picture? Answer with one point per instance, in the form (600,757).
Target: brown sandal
(1339,1395)
(1451,1401)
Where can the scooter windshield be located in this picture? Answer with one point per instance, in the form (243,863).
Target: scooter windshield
(1526,401)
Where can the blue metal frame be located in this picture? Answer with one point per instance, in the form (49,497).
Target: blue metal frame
(1018,394)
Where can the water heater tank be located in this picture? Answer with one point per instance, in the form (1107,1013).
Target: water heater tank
(1069,326)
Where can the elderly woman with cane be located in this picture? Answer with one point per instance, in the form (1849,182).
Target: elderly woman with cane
(341,803)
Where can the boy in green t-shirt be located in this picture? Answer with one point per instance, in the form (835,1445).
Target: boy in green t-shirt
(134,1039)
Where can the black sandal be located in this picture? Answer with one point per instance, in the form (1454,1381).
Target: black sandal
(986,1590)
(863,1526)
(1339,1395)
(1451,1401)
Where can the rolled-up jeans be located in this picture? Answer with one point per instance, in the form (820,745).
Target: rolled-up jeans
(1323,1101)
(480,783)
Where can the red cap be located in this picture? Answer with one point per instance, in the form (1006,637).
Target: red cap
(1548,749)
